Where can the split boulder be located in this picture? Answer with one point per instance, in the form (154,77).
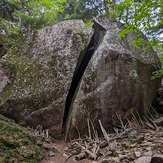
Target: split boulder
(116,82)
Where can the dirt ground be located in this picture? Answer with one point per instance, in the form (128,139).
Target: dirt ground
(59,158)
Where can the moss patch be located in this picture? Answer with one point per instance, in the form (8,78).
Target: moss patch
(24,73)
(17,144)
(161,59)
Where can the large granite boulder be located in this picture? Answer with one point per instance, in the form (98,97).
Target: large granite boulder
(42,70)
(116,82)
(42,81)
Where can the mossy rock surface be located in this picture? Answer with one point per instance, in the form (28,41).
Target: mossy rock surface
(116,83)
(41,70)
(17,144)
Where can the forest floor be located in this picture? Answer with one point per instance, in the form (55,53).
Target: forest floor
(140,143)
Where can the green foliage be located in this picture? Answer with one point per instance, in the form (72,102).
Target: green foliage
(32,14)
(81,9)
(21,17)
(159,49)
(144,15)
(88,22)
(17,144)
(157,74)
(161,59)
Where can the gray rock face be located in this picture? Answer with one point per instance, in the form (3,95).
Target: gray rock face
(45,83)
(43,68)
(5,75)
(116,82)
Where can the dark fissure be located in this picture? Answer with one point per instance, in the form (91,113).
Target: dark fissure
(83,61)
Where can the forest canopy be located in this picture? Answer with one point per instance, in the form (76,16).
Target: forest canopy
(21,17)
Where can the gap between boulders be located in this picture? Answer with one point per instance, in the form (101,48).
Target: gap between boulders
(81,65)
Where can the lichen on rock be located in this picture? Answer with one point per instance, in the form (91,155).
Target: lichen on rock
(116,82)
(42,68)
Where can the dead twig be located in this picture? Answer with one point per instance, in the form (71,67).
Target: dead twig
(92,155)
(80,156)
(154,111)
(141,121)
(104,132)
(89,129)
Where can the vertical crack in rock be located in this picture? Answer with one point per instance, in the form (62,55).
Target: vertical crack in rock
(82,63)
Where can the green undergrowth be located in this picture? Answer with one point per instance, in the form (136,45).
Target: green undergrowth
(161,59)
(17,144)
(158,73)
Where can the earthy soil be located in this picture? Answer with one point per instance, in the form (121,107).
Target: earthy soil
(59,158)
